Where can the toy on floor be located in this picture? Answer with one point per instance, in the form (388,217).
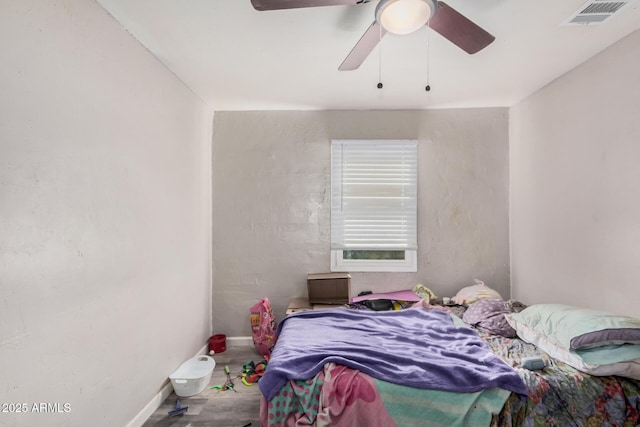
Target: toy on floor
(252,372)
(228,385)
(179,410)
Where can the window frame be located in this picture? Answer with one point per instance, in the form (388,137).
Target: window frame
(409,264)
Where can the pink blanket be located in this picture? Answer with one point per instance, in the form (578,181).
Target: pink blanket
(336,396)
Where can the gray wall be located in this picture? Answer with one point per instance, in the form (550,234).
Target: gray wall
(104,217)
(575,193)
(271,175)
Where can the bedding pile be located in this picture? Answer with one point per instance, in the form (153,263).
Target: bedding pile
(415,347)
(419,367)
(341,396)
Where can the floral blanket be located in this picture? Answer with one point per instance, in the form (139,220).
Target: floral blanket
(560,395)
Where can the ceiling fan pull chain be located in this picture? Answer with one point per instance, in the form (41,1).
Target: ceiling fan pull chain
(380,57)
(428,87)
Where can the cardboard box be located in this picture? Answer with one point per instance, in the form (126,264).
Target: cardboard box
(329,288)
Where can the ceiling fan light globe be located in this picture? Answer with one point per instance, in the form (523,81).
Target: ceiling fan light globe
(404,16)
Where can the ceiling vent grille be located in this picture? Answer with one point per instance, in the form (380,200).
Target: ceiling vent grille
(595,12)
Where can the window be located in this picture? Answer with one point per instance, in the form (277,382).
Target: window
(374,205)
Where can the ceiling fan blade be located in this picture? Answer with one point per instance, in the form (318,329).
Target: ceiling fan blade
(459,30)
(295,4)
(363,48)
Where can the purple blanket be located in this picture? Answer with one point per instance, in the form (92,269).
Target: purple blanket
(416,347)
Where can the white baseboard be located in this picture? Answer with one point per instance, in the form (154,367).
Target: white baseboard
(157,400)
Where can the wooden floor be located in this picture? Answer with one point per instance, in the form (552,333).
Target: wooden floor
(213,408)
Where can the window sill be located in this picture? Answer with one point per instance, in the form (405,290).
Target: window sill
(407,265)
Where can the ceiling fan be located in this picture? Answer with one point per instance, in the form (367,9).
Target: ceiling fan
(399,17)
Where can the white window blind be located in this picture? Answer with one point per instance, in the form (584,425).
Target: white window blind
(374,194)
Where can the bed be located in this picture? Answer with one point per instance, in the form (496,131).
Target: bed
(425,367)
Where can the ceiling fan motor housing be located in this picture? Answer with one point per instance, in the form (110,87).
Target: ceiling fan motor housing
(404,16)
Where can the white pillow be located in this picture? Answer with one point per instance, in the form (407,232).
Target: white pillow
(626,368)
(473,293)
(580,328)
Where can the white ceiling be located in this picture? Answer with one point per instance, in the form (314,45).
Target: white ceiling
(236,58)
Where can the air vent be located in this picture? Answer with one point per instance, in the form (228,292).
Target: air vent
(595,12)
